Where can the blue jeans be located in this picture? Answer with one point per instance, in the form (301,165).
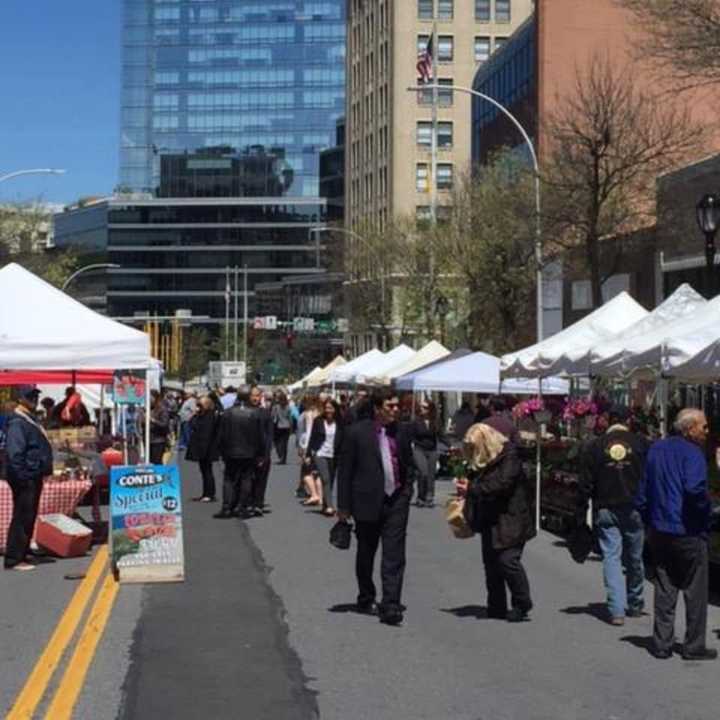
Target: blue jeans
(184,435)
(621,536)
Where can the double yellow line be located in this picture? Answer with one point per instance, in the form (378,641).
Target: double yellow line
(68,691)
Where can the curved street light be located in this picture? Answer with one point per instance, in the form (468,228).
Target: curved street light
(35,171)
(88,268)
(536,166)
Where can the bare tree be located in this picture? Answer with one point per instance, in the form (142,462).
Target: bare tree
(489,243)
(607,144)
(682,37)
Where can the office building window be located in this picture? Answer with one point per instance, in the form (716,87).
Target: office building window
(425,9)
(424,133)
(423,213)
(445,97)
(445,9)
(421,177)
(482,48)
(445,134)
(422,43)
(502,11)
(445,48)
(482,10)
(499,42)
(444,176)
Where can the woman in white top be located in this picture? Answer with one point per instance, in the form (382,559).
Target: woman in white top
(324,449)
(305,423)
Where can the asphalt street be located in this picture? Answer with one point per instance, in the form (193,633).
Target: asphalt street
(263,629)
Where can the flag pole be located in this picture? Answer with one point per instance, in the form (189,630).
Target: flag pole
(235,333)
(433,171)
(227,312)
(245,318)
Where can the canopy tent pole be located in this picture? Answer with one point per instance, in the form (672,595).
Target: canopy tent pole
(538,466)
(101,419)
(147,418)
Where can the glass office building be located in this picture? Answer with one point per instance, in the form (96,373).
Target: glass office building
(510,77)
(255,79)
(227,108)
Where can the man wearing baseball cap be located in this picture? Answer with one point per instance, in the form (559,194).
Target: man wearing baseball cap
(29,460)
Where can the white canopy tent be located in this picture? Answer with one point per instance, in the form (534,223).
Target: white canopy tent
(323,377)
(480,373)
(664,349)
(569,351)
(378,368)
(616,358)
(362,363)
(302,381)
(427,354)
(42,328)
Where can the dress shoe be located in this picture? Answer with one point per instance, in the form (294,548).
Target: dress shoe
(223,515)
(617,621)
(517,615)
(366,608)
(391,615)
(705,654)
(635,613)
(497,614)
(660,654)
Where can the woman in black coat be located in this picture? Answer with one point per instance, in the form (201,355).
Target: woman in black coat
(498,508)
(425,437)
(326,437)
(203,445)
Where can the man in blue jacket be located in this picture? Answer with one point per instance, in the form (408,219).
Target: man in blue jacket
(675,505)
(29,460)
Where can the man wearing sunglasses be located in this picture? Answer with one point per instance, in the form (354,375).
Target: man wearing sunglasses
(374,488)
(673,500)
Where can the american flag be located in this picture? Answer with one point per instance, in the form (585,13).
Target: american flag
(425,62)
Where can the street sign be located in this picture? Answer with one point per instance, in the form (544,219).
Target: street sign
(146,541)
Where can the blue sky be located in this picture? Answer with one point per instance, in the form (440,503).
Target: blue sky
(60,102)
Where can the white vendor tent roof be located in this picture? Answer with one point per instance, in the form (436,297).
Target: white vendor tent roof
(568,352)
(361,363)
(480,373)
(323,377)
(42,328)
(617,357)
(301,382)
(399,354)
(430,353)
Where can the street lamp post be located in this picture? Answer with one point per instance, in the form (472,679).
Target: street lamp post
(708,219)
(442,307)
(88,268)
(366,243)
(536,166)
(35,171)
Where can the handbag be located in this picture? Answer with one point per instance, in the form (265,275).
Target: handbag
(455,516)
(340,535)
(580,543)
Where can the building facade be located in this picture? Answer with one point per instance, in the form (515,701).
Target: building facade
(257,79)
(389,130)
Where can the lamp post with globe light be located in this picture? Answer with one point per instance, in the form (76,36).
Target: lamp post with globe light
(708,219)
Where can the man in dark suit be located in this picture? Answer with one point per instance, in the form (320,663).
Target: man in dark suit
(242,446)
(257,500)
(374,487)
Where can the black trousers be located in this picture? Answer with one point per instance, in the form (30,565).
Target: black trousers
(157,450)
(681,564)
(282,435)
(392,530)
(237,483)
(26,500)
(208,478)
(259,488)
(504,568)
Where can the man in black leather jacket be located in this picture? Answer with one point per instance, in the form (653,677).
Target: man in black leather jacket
(29,460)
(242,446)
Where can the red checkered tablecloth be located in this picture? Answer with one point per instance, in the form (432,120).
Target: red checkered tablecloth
(57,497)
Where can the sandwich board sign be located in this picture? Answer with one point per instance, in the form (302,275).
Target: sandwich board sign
(146,540)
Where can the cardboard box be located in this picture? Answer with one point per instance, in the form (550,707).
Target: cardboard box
(62,535)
